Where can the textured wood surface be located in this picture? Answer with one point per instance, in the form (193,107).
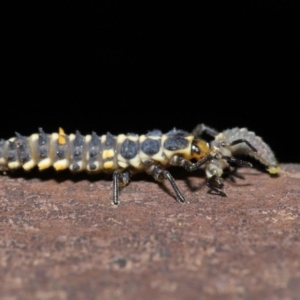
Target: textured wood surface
(62,239)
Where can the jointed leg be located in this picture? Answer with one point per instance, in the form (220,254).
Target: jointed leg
(239,141)
(202,128)
(119,180)
(188,165)
(239,162)
(214,180)
(159,175)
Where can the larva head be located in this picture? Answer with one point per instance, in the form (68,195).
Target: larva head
(245,142)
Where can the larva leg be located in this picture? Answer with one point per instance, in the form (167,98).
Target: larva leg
(159,175)
(213,181)
(188,165)
(232,174)
(119,180)
(239,162)
(239,141)
(202,128)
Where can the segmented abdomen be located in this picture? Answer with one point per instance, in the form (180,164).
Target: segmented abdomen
(93,153)
(264,153)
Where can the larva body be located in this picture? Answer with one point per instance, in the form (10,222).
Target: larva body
(124,155)
(93,153)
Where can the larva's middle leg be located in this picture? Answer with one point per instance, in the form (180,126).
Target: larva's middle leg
(159,175)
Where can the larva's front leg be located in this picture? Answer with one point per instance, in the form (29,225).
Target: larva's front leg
(188,165)
(202,128)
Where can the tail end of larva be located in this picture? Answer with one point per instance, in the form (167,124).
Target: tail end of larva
(274,170)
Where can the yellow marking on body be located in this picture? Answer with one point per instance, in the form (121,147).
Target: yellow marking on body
(108,154)
(88,138)
(34,137)
(14,165)
(121,138)
(61,164)
(3,161)
(122,164)
(136,162)
(108,165)
(29,165)
(72,137)
(45,164)
(62,136)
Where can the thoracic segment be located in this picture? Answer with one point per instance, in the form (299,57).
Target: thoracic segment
(93,153)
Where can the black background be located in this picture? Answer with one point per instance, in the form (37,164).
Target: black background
(104,66)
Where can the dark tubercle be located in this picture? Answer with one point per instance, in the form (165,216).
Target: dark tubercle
(128,149)
(23,149)
(150,147)
(78,145)
(42,137)
(176,140)
(109,142)
(42,144)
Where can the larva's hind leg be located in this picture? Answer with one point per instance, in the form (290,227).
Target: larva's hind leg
(159,175)
(119,180)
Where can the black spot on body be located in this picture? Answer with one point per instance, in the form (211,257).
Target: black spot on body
(60,153)
(93,153)
(24,157)
(43,153)
(75,167)
(77,153)
(11,156)
(175,143)
(150,147)
(128,149)
(92,166)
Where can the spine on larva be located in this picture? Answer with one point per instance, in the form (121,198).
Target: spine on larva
(264,153)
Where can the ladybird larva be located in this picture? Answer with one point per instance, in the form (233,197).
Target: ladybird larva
(123,155)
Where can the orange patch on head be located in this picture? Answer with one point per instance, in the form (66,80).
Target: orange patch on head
(204,149)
